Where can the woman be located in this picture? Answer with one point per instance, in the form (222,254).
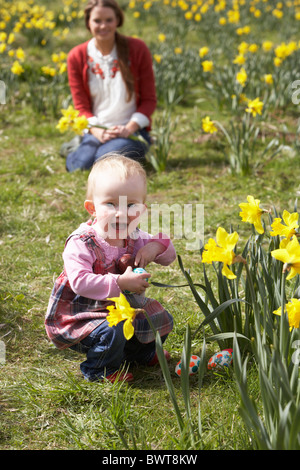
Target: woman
(112,83)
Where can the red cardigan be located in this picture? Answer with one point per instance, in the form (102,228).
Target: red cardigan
(141,68)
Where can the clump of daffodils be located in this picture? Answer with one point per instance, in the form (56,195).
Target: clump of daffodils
(71,120)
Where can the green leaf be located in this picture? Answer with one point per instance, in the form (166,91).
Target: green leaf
(227,335)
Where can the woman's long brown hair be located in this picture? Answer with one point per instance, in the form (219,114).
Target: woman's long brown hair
(121,41)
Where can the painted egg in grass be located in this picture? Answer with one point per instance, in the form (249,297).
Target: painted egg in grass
(194,366)
(220,360)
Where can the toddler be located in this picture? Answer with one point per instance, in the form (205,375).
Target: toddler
(77,310)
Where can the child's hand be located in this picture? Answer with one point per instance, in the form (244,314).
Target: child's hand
(148,253)
(133,282)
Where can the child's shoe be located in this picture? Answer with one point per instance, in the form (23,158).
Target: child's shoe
(155,361)
(119,377)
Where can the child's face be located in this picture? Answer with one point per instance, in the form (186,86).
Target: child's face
(117,205)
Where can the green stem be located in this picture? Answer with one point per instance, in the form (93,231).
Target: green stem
(283,332)
(253,297)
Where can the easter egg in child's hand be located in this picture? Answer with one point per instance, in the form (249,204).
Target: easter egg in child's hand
(193,366)
(124,262)
(220,360)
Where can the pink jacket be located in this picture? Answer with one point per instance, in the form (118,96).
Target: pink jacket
(141,68)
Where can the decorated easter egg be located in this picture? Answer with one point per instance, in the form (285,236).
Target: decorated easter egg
(125,261)
(194,366)
(220,360)
(137,271)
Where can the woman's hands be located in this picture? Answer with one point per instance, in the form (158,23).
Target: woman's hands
(105,135)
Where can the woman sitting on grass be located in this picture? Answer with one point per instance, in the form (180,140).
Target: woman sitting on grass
(112,83)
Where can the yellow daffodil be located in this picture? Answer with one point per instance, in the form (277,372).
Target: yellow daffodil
(147,5)
(178,50)
(243,47)
(241,76)
(282,51)
(287,230)
(221,250)
(203,51)
(70,113)
(157,58)
(161,37)
(79,124)
(268,78)
(48,70)
(277,61)
(233,16)
(11,38)
(17,68)
(207,66)
(55,58)
(20,54)
(255,107)
(253,48)
(208,125)
(267,46)
(62,68)
(292,309)
(239,31)
(277,13)
(121,311)
(3,36)
(212,252)
(239,59)
(63,124)
(72,120)
(289,253)
(251,212)
(67,121)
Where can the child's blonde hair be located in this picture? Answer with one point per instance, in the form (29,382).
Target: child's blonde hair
(123,168)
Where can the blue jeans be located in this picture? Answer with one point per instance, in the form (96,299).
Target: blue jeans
(107,350)
(91,149)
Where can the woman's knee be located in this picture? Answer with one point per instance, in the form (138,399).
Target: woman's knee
(84,156)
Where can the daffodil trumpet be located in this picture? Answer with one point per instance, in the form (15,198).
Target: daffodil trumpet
(289,253)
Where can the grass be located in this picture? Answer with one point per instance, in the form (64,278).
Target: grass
(44,402)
